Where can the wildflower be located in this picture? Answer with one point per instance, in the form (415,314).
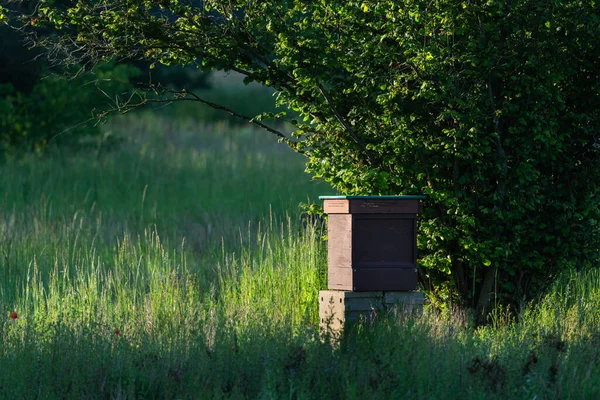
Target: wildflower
(117,332)
(13,315)
(233,349)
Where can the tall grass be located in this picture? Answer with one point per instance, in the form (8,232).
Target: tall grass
(175,266)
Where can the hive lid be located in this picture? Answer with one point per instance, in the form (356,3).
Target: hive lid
(406,197)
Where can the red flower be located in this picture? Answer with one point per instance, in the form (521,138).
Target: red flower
(233,349)
(13,315)
(117,332)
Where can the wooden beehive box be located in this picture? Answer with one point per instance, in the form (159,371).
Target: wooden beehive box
(372,242)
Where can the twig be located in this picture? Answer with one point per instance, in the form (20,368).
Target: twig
(346,125)
(251,120)
(184,95)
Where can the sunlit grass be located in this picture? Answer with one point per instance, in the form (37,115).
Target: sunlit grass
(176,266)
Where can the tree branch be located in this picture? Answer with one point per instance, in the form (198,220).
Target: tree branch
(251,120)
(184,95)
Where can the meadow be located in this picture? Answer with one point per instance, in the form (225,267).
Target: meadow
(176,264)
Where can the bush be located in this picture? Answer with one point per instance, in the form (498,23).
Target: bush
(18,65)
(58,110)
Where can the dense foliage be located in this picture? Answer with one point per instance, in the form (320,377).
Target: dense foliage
(490,108)
(18,64)
(42,105)
(57,111)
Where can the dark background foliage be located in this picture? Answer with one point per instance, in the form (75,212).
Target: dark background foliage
(44,103)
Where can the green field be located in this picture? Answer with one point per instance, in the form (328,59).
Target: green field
(176,265)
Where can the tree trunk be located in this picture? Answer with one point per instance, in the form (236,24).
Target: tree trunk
(459,278)
(485,295)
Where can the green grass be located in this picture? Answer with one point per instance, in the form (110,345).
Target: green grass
(187,240)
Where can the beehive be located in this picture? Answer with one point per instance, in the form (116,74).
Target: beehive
(372,242)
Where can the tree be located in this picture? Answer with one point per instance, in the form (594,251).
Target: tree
(490,108)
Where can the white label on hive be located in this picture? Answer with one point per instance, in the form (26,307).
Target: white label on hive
(336,206)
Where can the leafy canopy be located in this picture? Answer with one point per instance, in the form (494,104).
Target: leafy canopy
(490,108)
